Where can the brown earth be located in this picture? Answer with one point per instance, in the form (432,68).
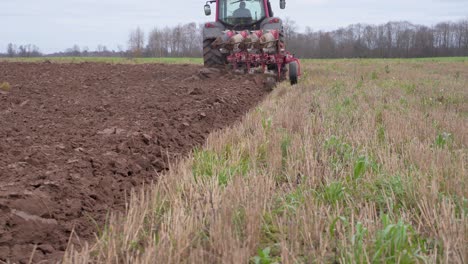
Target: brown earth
(75,138)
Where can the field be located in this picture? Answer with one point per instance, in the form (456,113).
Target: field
(363,161)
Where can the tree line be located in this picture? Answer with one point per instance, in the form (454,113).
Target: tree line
(178,41)
(28,50)
(389,40)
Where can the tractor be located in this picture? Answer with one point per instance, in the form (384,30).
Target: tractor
(248,38)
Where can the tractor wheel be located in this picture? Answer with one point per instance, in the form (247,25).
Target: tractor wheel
(212,58)
(293,70)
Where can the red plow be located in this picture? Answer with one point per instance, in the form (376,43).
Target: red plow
(247,37)
(249,51)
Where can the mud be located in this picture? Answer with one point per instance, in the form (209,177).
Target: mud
(75,138)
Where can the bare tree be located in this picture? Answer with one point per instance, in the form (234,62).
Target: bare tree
(136,42)
(101,48)
(75,50)
(85,51)
(290,28)
(155,43)
(28,50)
(179,41)
(11,50)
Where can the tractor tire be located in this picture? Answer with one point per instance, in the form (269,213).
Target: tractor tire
(293,71)
(212,58)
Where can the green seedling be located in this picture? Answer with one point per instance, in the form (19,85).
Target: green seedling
(443,139)
(263,257)
(387,69)
(397,243)
(333,193)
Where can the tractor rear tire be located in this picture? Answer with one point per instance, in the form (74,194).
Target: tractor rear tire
(293,71)
(212,58)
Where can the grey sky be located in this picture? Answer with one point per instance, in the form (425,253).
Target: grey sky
(55,25)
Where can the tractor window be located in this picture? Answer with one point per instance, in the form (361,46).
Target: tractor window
(241,12)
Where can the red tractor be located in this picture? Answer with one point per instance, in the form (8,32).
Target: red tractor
(247,37)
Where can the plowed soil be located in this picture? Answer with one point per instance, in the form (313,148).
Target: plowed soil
(75,138)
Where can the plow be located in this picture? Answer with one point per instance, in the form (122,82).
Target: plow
(247,38)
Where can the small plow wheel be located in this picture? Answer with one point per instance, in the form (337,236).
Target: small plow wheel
(293,72)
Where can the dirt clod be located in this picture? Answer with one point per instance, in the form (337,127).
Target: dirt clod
(5,86)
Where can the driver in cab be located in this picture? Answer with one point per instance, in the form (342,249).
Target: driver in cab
(242,12)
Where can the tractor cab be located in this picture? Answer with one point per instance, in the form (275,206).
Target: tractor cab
(242,14)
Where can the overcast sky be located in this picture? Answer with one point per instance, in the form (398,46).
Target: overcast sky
(55,25)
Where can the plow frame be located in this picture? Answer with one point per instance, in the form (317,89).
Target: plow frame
(263,60)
